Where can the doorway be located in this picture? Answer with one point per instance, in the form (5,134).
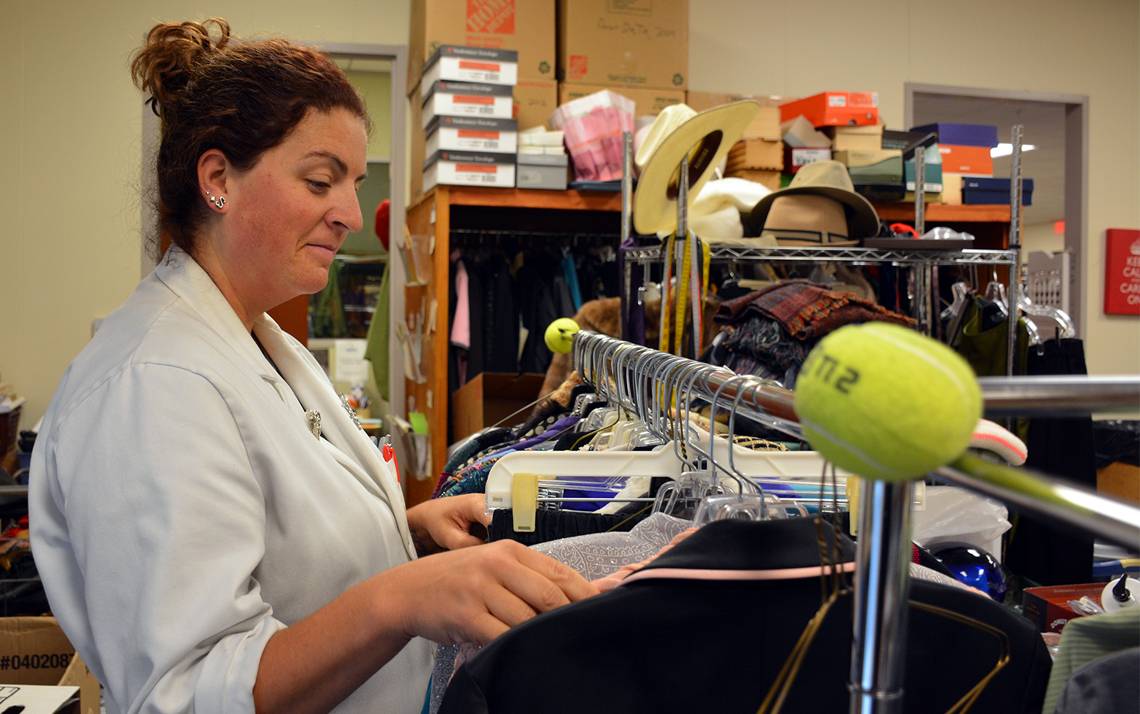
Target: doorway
(1056,127)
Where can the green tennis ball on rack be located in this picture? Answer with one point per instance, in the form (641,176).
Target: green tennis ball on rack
(560,335)
(885,402)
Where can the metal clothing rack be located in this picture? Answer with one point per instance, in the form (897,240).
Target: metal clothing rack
(635,377)
(883,550)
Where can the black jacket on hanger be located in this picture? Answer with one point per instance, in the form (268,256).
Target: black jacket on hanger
(668,641)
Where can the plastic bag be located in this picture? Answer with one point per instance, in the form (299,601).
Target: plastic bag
(955,514)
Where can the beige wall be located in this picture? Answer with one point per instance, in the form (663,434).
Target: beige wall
(376,88)
(70,134)
(1041,236)
(70,123)
(1090,48)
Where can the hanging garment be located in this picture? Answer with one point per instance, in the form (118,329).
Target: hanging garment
(1087,639)
(982,339)
(805,310)
(537,310)
(707,626)
(376,343)
(177,492)
(500,319)
(1105,686)
(1038,547)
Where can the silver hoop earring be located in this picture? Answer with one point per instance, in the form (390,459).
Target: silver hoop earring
(219,202)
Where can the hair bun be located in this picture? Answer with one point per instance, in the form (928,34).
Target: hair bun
(165,64)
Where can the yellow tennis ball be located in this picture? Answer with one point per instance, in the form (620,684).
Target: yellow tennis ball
(885,402)
(560,335)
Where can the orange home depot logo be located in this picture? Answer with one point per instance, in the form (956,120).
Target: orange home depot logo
(494,16)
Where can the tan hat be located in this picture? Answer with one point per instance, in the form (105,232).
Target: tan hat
(706,138)
(822,178)
(807,220)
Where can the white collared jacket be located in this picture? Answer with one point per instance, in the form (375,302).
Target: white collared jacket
(182,511)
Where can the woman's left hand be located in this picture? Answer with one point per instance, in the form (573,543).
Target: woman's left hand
(444,523)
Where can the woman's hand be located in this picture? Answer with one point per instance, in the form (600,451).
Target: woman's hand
(444,523)
(476,594)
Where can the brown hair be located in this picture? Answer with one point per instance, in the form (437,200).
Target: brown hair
(242,98)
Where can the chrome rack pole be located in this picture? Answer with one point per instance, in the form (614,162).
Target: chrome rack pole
(1014,292)
(626,214)
(882,557)
(919,190)
(1062,395)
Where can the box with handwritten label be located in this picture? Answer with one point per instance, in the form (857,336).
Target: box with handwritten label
(37,662)
(624,43)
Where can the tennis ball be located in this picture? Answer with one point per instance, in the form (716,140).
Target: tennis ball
(560,335)
(885,402)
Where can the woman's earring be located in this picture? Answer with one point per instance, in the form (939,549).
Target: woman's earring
(219,202)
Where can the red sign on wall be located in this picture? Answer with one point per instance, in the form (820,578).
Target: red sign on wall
(1122,272)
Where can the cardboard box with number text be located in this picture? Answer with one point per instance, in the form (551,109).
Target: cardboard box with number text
(34,650)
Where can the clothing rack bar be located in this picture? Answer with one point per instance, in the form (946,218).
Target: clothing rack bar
(881,574)
(1059,395)
(1069,503)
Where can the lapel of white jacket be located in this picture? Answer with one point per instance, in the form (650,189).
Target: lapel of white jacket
(352,447)
(357,453)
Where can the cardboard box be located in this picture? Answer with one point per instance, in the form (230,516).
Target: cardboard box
(33,650)
(631,43)
(534,102)
(464,99)
(952,189)
(490,397)
(968,160)
(647,102)
(978,190)
(1120,480)
(548,172)
(855,138)
(523,25)
(834,109)
(455,168)
(766,125)
(771,179)
(857,158)
(756,154)
(795,157)
(456,63)
(498,136)
(962,134)
(1047,606)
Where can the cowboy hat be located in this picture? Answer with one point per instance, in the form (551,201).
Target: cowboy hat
(822,178)
(705,138)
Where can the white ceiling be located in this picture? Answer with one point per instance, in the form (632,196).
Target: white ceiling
(1044,124)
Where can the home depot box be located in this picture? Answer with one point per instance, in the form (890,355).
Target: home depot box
(756,154)
(631,43)
(834,109)
(523,25)
(766,125)
(33,650)
(456,63)
(465,99)
(968,160)
(534,101)
(1048,607)
(498,136)
(455,168)
(647,102)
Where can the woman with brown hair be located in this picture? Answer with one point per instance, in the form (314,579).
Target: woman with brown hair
(213,530)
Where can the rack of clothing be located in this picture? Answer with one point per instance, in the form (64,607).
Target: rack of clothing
(750,546)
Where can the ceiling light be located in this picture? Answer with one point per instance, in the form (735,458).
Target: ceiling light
(1005,149)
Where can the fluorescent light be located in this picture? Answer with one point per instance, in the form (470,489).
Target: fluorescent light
(1005,149)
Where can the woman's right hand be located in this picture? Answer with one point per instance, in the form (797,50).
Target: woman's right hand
(475,594)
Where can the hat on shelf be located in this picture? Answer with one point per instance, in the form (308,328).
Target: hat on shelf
(704,137)
(819,208)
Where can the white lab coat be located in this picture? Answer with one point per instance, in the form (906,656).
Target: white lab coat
(182,512)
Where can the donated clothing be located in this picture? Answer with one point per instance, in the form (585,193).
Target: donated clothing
(183,512)
(707,626)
